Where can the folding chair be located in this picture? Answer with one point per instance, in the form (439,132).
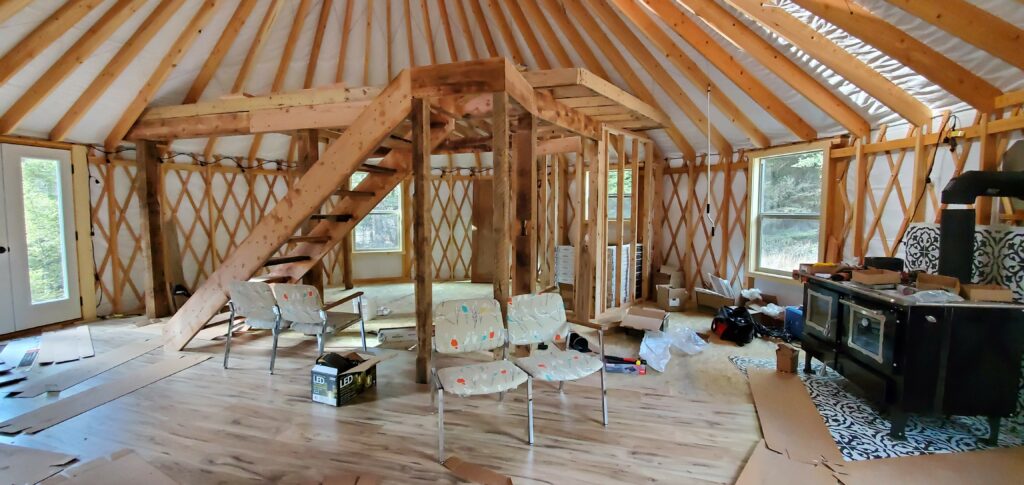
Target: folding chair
(254,301)
(302,308)
(462,326)
(535,319)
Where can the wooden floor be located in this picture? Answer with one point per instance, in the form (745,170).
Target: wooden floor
(210,425)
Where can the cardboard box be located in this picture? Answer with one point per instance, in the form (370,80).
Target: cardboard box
(786,358)
(820,268)
(671,299)
(668,275)
(713,301)
(876,277)
(927,281)
(996,293)
(396,335)
(334,388)
(644,318)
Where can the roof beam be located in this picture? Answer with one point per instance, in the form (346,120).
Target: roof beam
(114,17)
(449,39)
(731,67)
(11,7)
(536,17)
(485,30)
(231,30)
(318,42)
(346,28)
(650,63)
(859,22)
(746,40)
(42,36)
(690,69)
(466,31)
(506,32)
(837,59)
(159,75)
(613,55)
(972,24)
(428,32)
(528,35)
(117,64)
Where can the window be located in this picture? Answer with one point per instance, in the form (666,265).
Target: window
(786,206)
(613,194)
(381,229)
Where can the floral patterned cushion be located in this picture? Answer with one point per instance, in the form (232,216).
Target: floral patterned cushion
(483,378)
(254,301)
(299,303)
(537,318)
(468,326)
(336,322)
(559,365)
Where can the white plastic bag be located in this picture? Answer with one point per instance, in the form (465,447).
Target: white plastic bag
(935,296)
(751,294)
(655,349)
(685,340)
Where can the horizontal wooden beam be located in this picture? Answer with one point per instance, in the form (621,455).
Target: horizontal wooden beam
(995,126)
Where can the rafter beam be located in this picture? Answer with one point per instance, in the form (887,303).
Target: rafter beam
(227,38)
(528,35)
(159,75)
(945,73)
(11,7)
(731,68)
(507,35)
(972,24)
(690,69)
(72,58)
(42,36)
(745,39)
(117,64)
(836,58)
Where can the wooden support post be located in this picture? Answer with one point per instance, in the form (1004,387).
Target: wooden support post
(502,176)
(584,271)
(561,184)
(599,219)
(652,200)
(542,232)
(723,214)
(524,188)
(634,208)
(151,207)
(421,235)
(620,188)
(309,152)
(920,182)
(859,198)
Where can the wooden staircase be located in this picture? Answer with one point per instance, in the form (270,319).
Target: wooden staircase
(278,229)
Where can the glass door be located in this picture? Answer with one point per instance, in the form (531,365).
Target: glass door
(42,269)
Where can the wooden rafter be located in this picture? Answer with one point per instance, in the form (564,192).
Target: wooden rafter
(690,69)
(616,58)
(535,16)
(159,75)
(318,41)
(467,32)
(485,31)
(449,39)
(539,57)
(581,47)
(346,29)
(367,42)
(11,7)
(903,47)
(42,36)
(745,39)
(507,36)
(227,38)
(972,24)
(721,59)
(428,32)
(836,58)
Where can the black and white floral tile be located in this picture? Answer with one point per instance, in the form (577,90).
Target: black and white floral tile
(998,254)
(861,433)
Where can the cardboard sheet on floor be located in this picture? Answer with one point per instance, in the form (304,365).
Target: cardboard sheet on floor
(991,467)
(121,468)
(65,345)
(766,467)
(83,370)
(71,406)
(789,420)
(19,464)
(471,472)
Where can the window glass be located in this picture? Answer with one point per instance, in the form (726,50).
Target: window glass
(44,224)
(788,211)
(381,229)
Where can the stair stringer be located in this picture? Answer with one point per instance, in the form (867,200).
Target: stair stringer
(341,158)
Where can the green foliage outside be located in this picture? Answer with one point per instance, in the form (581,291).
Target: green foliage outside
(43,229)
(790,188)
(381,230)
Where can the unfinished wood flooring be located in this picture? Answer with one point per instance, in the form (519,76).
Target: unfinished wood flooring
(209,425)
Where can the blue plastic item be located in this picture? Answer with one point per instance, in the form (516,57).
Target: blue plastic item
(795,320)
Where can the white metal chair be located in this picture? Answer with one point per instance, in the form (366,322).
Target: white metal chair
(302,308)
(462,326)
(255,301)
(535,319)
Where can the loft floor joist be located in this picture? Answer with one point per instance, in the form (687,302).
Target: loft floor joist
(430,106)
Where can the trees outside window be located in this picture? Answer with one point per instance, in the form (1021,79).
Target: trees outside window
(787,211)
(381,229)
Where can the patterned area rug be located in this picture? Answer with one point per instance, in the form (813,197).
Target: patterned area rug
(861,433)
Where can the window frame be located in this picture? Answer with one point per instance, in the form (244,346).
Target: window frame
(400,188)
(608,195)
(756,217)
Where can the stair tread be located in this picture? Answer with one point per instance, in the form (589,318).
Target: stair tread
(309,239)
(355,193)
(376,168)
(331,217)
(270,279)
(286,260)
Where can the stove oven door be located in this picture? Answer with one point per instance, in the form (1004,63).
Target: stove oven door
(869,334)
(822,307)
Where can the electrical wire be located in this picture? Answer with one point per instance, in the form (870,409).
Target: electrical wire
(707,162)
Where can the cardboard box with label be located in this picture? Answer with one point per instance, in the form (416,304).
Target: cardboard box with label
(786,358)
(644,318)
(337,388)
(671,299)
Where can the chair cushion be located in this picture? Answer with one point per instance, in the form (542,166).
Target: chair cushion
(533,319)
(468,326)
(483,378)
(559,365)
(263,324)
(336,322)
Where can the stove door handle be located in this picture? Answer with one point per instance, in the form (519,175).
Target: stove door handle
(930,319)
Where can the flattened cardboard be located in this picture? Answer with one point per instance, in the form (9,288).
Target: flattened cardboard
(644,318)
(471,472)
(122,468)
(83,370)
(766,467)
(991,467)
(19,464)
(71,406)
(790,423)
